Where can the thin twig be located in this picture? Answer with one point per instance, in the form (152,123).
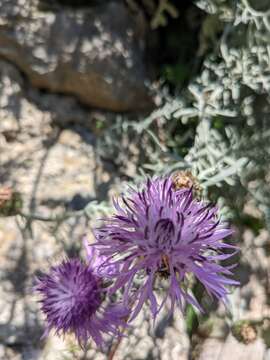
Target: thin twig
(115,348)
(55,218)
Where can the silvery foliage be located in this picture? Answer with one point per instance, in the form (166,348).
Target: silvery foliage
(238,80)
(229,103)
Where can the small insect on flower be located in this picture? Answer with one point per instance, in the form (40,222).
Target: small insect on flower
(71,299)
(164,232)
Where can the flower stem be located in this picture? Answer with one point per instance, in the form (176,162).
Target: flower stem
(114,348)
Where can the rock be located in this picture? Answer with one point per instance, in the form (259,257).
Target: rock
(18,323)
(267,355)
(166,340)
(214,349)
(93,53)
(19,102)
(211,349)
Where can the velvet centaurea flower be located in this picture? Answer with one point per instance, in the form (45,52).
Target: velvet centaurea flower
(71,299)
(164,232)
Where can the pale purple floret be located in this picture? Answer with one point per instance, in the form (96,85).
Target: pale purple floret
(71,299)
(163,232)
(95,261)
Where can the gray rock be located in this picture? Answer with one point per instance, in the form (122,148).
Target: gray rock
(214,349)
(93,53)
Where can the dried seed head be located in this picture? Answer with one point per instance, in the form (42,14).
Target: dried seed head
(185,179)
(248,333)
(5,194)
(244,331)
(10,202)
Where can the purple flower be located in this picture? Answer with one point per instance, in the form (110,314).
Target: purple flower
(95,261)
(161,232)
(71,299)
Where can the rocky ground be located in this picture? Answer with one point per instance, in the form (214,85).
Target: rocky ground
(57,169)
(49,153)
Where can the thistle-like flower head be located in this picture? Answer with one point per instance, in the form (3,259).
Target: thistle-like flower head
(71,299)
(163,232)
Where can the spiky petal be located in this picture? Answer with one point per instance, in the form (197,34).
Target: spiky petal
(96,261)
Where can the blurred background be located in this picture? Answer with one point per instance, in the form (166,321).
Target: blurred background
(96,94)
